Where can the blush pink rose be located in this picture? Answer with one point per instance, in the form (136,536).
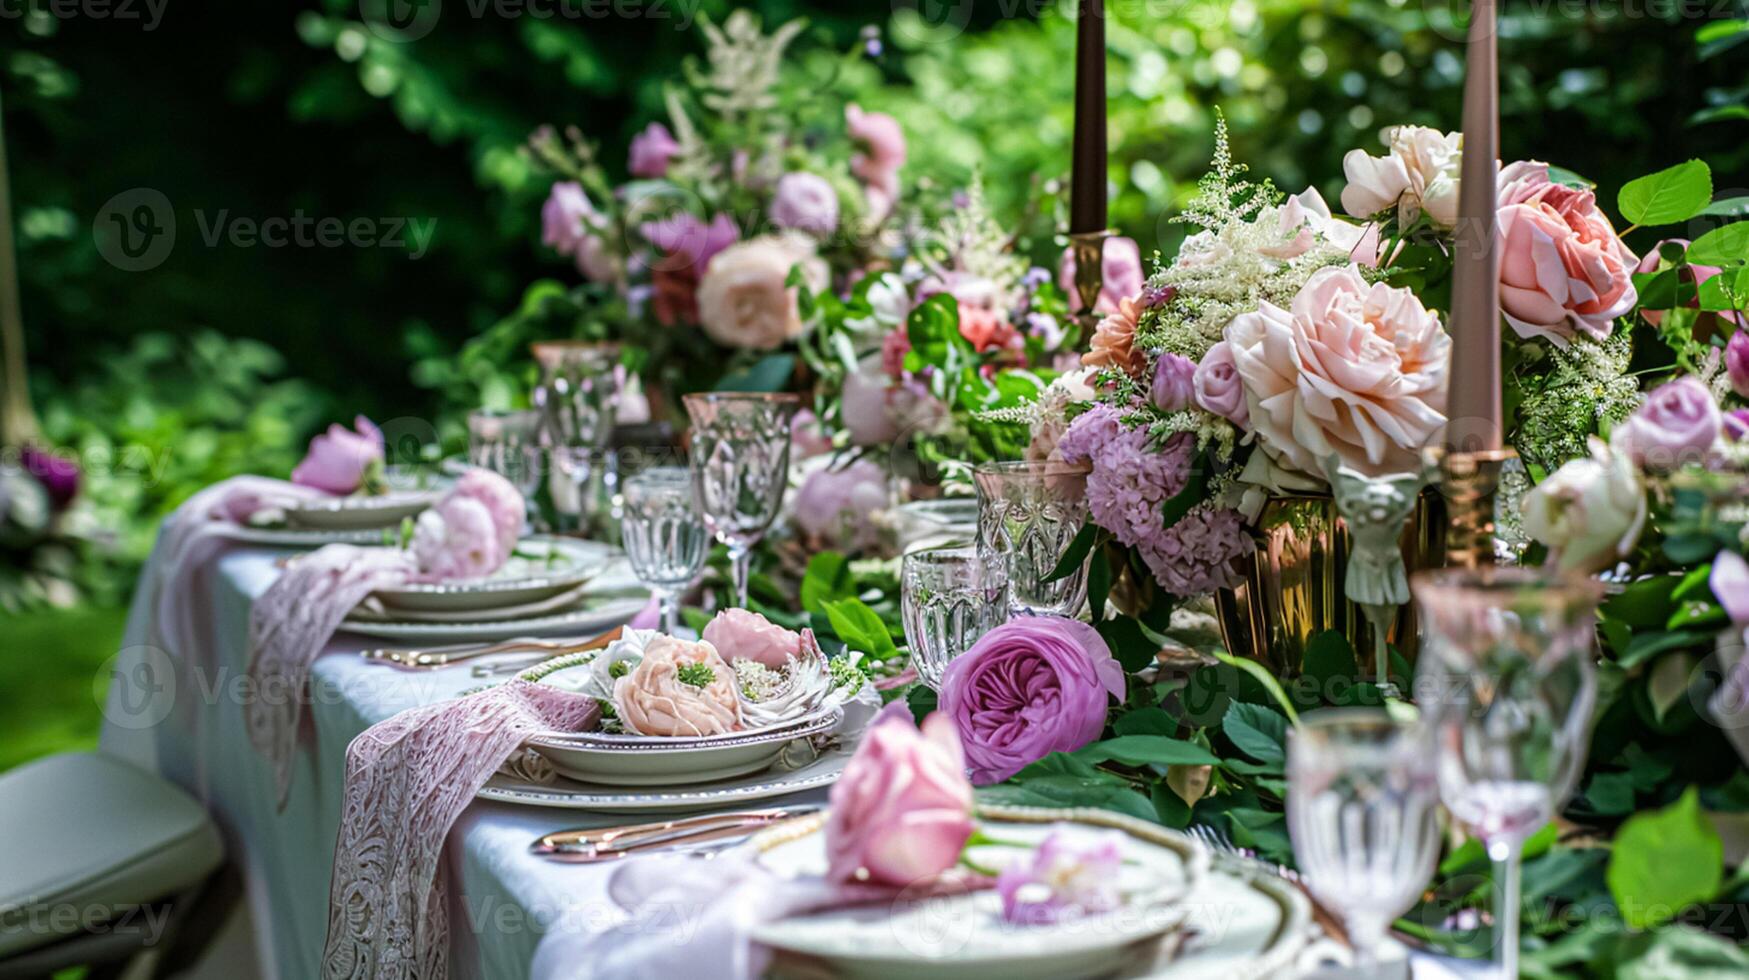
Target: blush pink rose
(570,225)
(1563,271)
(836,506)
(339,458)
(741,634)
(745,300)
(653,700)
(882,142)
(864,404)
(1352,369)
(1304,220)
(902,811)
(503,502)
(805,202)
(651,152)
(1122,269)
(456,540)
(1420,173)
(1219,388)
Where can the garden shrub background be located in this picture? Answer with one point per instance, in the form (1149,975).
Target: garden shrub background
(224,359)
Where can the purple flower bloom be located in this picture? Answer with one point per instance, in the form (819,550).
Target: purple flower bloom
(1173,387)
(688,240)
(1737,362)
(1196,554)
(1032,686)
(58,475)
(652,151)
(1063,880)
(1729,583)
(805,202)
(1737,424)
(836,505)
(569,225)
(1678,424)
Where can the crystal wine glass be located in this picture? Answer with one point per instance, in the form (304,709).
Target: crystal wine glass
(507,443)
(1363,794)
(1028,513)
(578,399)
(740,466)
(948,598)
(664,537)
(1507,684)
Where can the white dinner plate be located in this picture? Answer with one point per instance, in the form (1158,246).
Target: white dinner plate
(624,759)
(540,569)
(360,512)
(593,615)
(291,537)
(964,936)
(780,780)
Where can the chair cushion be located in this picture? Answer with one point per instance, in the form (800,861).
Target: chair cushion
(83,835)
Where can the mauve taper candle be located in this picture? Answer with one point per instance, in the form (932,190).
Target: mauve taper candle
(1473,395)
(1087,211)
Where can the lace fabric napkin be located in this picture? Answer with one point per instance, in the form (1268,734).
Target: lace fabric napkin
(407,780)
(288,627)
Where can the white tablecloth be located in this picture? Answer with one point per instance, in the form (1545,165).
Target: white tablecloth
(187,723)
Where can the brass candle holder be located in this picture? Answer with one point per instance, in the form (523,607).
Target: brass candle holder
(1088,247)
(1470,484)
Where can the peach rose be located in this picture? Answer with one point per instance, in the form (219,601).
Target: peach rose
(743,299)
(1562,268)
(741,634)
(1352,369)
(663,695)
(1420,173)
(985,329)
(1114,342)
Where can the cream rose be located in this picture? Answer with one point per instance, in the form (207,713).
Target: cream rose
(1352,369)
(743,300)
(1590,512)
(1304,219)
(663,695)
(1419,173)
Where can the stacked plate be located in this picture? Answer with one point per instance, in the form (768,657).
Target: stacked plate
(550,587)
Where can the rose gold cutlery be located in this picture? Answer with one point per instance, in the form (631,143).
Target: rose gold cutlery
(612,843)
(445,656)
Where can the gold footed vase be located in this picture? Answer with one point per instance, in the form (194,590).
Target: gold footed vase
(1292,588)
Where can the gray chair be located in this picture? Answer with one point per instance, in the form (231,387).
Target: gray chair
(100,863)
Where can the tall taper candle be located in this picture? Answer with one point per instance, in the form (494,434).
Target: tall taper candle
(1087,211)
(1473,399)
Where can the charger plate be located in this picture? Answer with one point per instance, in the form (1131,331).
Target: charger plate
(798,770)
(542,567)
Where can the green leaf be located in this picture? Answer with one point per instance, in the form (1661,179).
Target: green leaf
(860,627)
(770,373)
(1728,207)
(1330,656)
(827,579)
(1663,861)
(1146,750)
(1565,177)
(1070,791)
(1194,492)
(1645,646)
(1679,953)
(1129,643)
(1078,550)
(1645,604)
(1674,194)
(1145,721)
(1169,808)
(1098,585)
(922,702)
(1724,245)
(1258,732)
(1264,677)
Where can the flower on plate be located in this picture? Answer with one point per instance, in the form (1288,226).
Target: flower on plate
(1174,387)
(1032,686)
(805,202)
(687,245)
(455,540)
(570,225)
(1677,424)
(1562,269)
(744,299)
(339,459)
(1351,368)
(902,810)
(1121,267)
(678,689)
(1419,173)
(741,634)
(882,142)
(1063,878)
(1219,388)
(836,506)
(652,151)
(1114,342)
(502,501)
(1590,512)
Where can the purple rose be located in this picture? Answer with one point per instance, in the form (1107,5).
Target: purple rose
(835,505)
(339,458)
(1219,389)
(1174,386)
(1030,687)
(1737,424)
(1678,423)
(1737,362)
(805,202)
(58,475)
(652,151)
(1729,582)
(688,242)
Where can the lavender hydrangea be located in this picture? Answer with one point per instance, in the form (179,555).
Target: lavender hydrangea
(1127,491)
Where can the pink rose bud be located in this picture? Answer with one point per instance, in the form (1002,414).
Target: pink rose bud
(339,458)
(1174,383)
(741,634)
(902,811)
(651,152)
(1219,388)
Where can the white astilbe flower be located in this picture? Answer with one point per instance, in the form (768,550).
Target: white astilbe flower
(972,243)
(745,63)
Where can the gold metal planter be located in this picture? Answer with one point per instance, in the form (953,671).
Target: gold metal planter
(1293,584)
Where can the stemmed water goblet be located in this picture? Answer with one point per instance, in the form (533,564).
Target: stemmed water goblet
(1362,801)
(1507,684)
(740,467)
(508,443)
(578,400)
(663,535)
(1029,514)
(949,597)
